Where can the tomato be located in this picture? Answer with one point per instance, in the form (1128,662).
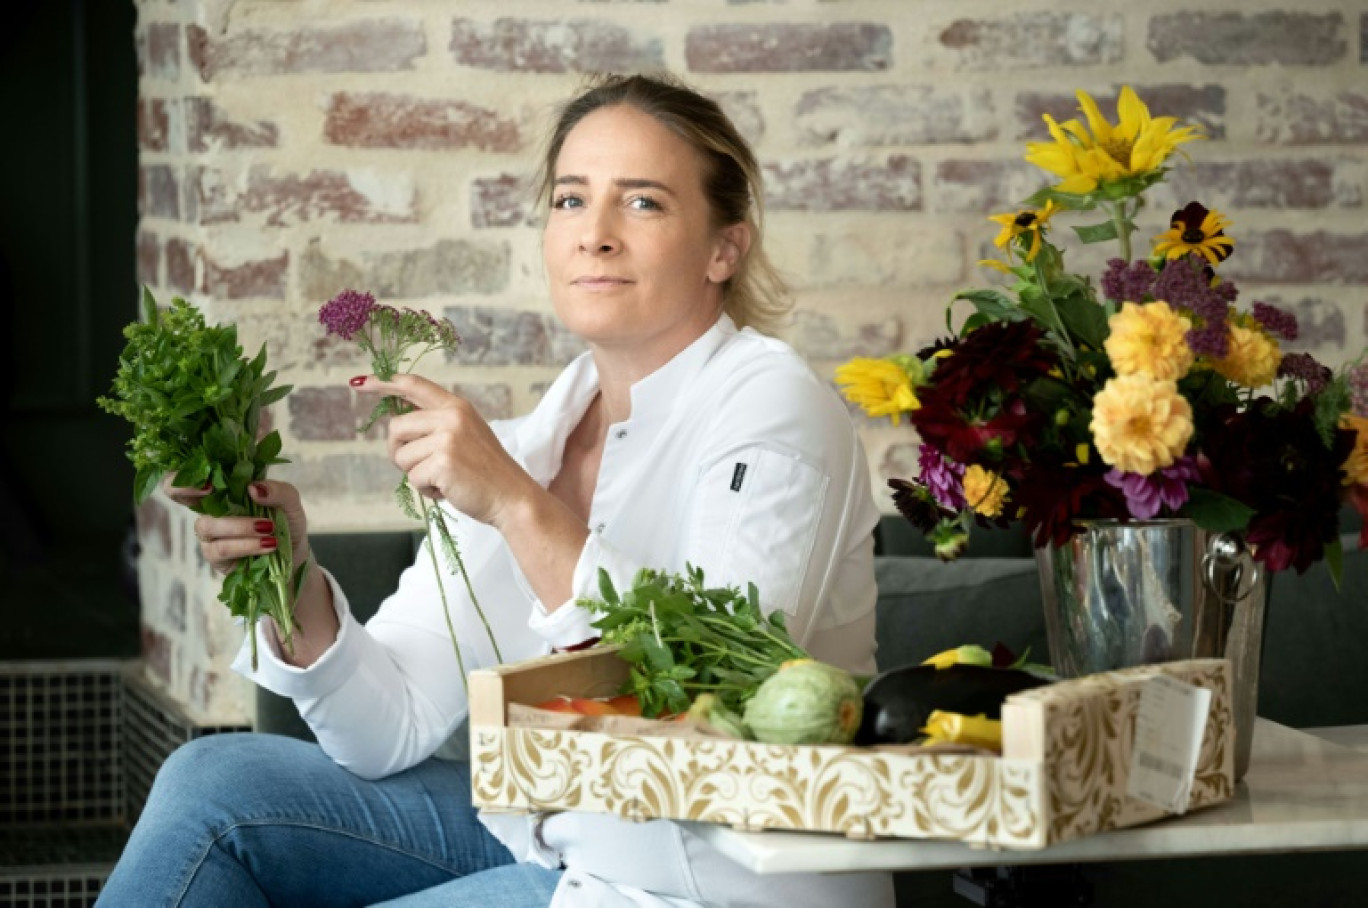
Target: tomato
(626,705)
(558,705)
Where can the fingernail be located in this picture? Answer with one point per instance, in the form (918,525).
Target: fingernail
(207,486)
(358,381)
(263,526)
(268,542)
(260,489)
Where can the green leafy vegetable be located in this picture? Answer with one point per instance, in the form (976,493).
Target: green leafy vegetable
(195,404)
(683,639)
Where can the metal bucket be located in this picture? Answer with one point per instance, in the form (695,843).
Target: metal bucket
(1122,594)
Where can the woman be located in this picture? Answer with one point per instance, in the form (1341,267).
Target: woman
(677,438)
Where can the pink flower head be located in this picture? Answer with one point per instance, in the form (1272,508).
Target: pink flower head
(346,313)
(943,477)
(1162,488)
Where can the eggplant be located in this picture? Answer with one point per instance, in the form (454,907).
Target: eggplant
(898,702)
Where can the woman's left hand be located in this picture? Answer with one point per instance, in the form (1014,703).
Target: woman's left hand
(448,451)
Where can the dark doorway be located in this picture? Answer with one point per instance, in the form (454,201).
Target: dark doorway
(68,216)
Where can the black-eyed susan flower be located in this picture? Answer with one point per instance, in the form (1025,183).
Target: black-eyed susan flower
(1029,222)
(1085,157)
(1195,230)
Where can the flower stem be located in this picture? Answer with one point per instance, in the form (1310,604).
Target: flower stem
(1122,223)
(441,590)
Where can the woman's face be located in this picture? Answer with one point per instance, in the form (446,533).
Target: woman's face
(634,262)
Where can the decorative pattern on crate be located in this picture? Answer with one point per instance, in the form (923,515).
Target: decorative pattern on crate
(1077,789)
(1090,732)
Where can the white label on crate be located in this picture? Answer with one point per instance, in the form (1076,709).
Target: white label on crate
(1168,740)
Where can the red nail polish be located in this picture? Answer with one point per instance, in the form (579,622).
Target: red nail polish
(268,542)
(358,381)
(260,489)
(263,526)
(207,486)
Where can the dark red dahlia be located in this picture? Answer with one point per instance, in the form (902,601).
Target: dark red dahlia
(1002,355)
(1274,461)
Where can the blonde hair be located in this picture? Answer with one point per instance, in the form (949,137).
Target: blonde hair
(755,294)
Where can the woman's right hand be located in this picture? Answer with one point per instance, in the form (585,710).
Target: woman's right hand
(226,540)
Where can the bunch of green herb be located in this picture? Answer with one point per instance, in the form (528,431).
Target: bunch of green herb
(195,403)
(396,340)
(683,639)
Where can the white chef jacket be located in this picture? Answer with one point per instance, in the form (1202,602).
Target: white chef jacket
(737,459)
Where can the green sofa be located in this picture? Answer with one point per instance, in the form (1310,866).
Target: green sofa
(1314,674)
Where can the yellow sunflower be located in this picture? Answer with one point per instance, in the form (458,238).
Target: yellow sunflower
(1029,221)
(880,387)
(1195,229)
(1085,157)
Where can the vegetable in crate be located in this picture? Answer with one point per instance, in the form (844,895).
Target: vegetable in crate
(195,404)
(899,703)
(805,702)
(684,639)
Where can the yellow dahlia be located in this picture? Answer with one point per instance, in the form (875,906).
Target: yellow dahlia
(1149,338)
(1140,424)
(1194,229)
(1356,467)
(1030,221)
(880,387)
(1085,157)
(985,491)
(1252,358)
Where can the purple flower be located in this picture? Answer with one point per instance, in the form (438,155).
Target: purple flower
(1276,321)
(1358,388)
(346,313)
(1166,487)
(1303,366)
(944,478)
(1127,283)
(1186,284)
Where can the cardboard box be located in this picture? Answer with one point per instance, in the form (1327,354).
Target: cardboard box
(1063,772)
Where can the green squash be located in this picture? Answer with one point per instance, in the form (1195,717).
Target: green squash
(806,702)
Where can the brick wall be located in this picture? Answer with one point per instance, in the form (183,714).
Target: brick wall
(290,148)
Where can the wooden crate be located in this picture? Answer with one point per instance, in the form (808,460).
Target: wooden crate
(1062,774)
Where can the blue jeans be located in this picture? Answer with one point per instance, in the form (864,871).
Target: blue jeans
(251,819)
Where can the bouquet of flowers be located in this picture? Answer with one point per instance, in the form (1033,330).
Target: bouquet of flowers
(195,403)
(396,340)
(1151,395)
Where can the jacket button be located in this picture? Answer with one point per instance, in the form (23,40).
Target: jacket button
(599,528)
(621,433)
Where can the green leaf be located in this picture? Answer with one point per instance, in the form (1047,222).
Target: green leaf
(1084,318)
(268,448)
(992,303)
(1334,560)
(269,397)
(1097,233)
(149,306)
(145,483)
(606,588)
(1216,513)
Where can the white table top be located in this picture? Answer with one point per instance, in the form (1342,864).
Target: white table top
(1302,793)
